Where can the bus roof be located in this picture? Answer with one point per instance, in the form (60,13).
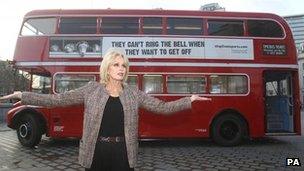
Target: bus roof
(146,12)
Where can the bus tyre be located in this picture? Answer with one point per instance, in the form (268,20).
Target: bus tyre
(228,130)
(29,130)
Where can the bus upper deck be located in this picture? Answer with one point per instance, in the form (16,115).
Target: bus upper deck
(155,36)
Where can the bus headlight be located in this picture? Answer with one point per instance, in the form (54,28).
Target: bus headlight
(82,47)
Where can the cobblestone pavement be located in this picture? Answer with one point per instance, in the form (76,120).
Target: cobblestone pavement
(182,155)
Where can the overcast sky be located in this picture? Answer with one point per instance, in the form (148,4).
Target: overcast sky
(12,11)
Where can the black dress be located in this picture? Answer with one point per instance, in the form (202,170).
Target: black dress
(109,156)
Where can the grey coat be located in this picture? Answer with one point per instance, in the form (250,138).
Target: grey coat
(94,97)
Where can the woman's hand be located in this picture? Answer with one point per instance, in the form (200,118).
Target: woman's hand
(197,97)
(15,95)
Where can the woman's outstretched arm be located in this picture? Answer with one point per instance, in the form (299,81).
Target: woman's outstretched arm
(51,100)
(158,106)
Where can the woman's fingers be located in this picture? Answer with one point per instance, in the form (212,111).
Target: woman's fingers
(5,97)
(15,95)
(197,97)
(203,98)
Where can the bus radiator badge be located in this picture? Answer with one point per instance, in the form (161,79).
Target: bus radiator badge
(201,130)
(58,128)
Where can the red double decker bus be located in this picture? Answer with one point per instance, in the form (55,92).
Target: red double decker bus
(245,62)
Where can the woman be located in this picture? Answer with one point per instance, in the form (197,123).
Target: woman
(110,125)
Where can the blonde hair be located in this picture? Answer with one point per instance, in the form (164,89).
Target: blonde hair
(107,60)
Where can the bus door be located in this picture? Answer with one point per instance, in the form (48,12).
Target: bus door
(279,102)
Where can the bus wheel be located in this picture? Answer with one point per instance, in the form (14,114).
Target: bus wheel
(29,130)
(228,130)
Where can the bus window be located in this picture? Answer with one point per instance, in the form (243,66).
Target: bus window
(185,26)
(119,25)
(39,26)
(264,28)
(272,88)
(228,84)
(285,88)
(152,26)
(132,81)
(225,28)
(41,84)
(78,25)
(182,84)
(67,82)
(153,84)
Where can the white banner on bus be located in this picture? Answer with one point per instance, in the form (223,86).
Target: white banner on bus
(203,48)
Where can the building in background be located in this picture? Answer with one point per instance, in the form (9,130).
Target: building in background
(296,23)
(212,7)
(301,71)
